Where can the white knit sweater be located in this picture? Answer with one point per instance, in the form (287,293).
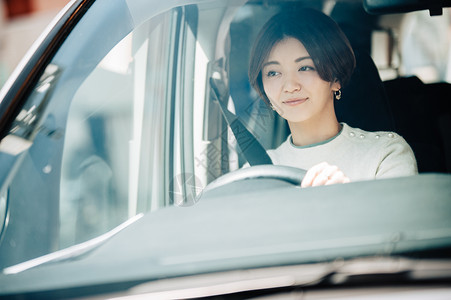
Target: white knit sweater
(361,155)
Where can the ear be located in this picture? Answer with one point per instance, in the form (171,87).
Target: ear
(335,85)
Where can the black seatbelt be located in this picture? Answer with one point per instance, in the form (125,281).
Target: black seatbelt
(252,150)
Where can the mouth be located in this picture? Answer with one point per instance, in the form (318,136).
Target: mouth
(293,102)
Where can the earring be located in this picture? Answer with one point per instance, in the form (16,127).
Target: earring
(337,94)
(272,106)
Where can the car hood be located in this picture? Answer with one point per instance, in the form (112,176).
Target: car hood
(260,223)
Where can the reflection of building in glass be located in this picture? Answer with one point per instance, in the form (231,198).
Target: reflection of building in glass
(425,46)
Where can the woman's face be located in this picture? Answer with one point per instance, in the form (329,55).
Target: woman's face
(293,85)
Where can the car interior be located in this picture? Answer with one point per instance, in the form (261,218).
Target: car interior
(143,108)
(222,38)
(120,150)
(418,111)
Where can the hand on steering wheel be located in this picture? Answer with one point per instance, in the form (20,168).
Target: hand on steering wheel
(323,174)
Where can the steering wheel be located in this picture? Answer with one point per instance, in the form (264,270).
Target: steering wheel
(288,174)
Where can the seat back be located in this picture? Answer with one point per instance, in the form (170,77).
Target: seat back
(364,103)
(422,114)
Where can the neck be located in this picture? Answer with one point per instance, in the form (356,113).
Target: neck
(311,132)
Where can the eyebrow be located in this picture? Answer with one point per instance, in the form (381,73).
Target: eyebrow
(277,63)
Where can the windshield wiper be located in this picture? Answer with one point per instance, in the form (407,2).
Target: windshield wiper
(71,252)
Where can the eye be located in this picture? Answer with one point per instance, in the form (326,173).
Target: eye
(306,68)
(272,73)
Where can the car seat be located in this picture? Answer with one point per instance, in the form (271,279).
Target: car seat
(364,103)
(423,117)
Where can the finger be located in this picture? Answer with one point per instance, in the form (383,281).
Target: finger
(335,181)
(320,179)
(338,177)
(325,175)
(308,178)
(312,173)
(330,171)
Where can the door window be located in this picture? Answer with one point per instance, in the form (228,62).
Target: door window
(114,156)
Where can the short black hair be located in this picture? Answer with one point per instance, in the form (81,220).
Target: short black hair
(323,39)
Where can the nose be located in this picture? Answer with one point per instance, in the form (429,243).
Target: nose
(292,83)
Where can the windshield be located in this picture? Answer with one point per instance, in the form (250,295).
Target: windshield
(132,119)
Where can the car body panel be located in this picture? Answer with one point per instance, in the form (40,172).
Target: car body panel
(246,225)
(228,232)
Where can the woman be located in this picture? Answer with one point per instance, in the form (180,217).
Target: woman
(299,64)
